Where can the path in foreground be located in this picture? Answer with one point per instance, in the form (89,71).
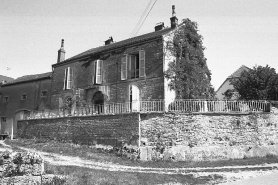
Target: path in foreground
(236,174)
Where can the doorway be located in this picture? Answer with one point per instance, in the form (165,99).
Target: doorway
(20,115)
(98,102)
(134,98)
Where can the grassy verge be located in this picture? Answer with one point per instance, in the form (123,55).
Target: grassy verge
(78,176)
(94,154)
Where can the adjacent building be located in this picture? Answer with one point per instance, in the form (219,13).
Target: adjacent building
(22,95)
(226,85)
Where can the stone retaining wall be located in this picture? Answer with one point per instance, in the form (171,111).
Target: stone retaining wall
(115,130)
(208,137)
(24,168)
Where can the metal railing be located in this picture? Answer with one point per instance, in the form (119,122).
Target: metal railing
(180,106)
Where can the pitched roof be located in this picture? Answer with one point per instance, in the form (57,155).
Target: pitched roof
(132,40)
(29,78)
(239,71)
(235,74)
(5,78)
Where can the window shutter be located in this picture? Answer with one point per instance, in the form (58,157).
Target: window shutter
(65,79)
(69,78)
(103,73)
(124,68)
(94,73)
(108,92)
(141,63)
(99,71)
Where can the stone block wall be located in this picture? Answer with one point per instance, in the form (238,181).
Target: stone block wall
(208,137)
(114,130)
(24,168)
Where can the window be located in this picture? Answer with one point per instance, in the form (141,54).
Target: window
(98,72)
(3,119)
(23,96)
(68,78)
(6,99)
(43,94)
(136,65)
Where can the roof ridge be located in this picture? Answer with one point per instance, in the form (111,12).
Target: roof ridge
(27,78)
(121,43)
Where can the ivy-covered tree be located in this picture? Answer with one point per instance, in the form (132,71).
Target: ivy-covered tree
(259,83)
(188,73)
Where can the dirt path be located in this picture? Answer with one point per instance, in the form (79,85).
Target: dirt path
(236,174)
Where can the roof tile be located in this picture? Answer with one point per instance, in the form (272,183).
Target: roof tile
(30,78)
(121,43)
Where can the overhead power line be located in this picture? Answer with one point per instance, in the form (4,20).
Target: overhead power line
(138,23)
(134,33)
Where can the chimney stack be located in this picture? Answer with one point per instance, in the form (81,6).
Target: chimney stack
(174,19)
(159,26)
(61,53)
(109,41)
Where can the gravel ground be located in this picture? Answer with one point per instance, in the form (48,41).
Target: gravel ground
(237,173)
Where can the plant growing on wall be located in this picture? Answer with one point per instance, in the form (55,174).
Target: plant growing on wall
(188,73)
(259,83)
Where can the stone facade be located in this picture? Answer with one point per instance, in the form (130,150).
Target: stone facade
(151,86)
(30,86)
(115,130)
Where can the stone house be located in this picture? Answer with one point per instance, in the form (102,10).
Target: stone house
(127,71)
(226,85)
(22,95)
(130,70)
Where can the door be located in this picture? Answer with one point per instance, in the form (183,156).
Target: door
(21,115)
(134,98)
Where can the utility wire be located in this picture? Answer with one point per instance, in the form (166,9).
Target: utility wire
(138,23)
(144,19)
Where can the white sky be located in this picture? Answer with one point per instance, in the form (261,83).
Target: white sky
(236,32)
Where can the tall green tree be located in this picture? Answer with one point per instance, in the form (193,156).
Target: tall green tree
(188,73)
(259,83)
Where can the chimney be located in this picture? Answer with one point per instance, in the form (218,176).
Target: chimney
(174,19)
(159,26)
(61,53)
(109,41)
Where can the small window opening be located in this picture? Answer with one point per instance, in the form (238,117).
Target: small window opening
(6,99)
(23,96)
(43,93)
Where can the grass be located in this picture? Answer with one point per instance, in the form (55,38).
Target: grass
(94,154)
(83,176)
